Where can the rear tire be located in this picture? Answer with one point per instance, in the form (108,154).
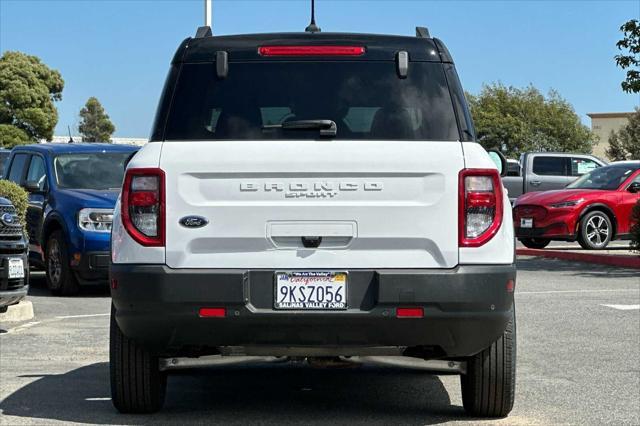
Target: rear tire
(595,230)
(137,384)
(60,278)
(535,243)
(488,387)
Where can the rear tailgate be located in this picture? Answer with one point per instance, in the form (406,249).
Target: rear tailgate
(376,204)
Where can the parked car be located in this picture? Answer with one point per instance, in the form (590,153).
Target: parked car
(72,191)
(313,195)
(543,171)
(4,156)
(595,209)
(14,265)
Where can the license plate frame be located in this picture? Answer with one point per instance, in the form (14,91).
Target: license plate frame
(317,277)
(526,222)
(15,268)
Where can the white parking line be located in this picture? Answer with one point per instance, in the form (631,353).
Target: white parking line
(23,326)
(50,320)
(623,307)
(636,290)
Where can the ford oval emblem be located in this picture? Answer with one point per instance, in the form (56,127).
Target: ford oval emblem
(7,219)
(193,221)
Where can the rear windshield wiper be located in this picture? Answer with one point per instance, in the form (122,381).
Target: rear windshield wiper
(326,127)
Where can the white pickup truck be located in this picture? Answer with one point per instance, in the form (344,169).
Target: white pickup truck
(316,196)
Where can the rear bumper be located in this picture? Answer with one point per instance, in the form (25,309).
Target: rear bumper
(465,309)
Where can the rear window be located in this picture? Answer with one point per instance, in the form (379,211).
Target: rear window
(366,100)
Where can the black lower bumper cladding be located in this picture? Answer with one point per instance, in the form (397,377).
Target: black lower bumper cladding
(465,309)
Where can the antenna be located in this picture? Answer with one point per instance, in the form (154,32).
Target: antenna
(205,30)
(207,13)
(313,28)
(70,138)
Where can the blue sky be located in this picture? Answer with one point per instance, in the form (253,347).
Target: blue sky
(119,51)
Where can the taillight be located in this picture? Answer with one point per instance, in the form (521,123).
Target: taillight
(480,206)
(142,202)
(311,50)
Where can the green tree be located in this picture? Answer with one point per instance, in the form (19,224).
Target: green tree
(18,197)
(95,125)
(615,151)
(523,120)
(625,145)
(630,58)
(28,90)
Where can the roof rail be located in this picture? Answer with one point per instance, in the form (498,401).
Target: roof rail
(422,32)
(203,32)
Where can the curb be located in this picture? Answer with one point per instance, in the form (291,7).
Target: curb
(600,259)
(22,311)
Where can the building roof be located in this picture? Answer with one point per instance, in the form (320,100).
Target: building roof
(610,114)
(67,148)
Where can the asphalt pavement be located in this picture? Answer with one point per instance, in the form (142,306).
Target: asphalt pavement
(578,350)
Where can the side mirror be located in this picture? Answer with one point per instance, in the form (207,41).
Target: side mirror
(634,188)
(32,187)
(500,160)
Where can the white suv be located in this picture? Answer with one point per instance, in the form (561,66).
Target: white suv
(315,196)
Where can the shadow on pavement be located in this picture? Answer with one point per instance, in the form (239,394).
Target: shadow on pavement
(263,393)
(38,287)
(578,269)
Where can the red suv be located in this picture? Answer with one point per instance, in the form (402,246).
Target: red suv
(594,209)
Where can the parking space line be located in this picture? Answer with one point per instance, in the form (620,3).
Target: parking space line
(635,290)
(50,320)
(622,307)
(23,326)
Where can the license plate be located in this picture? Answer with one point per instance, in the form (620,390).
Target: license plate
(526,222)
(311,290)
(16,269)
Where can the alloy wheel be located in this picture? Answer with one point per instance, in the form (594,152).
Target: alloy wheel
(54,267)
(597,230)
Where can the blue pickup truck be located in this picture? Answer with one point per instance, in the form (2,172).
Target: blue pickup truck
(72,192)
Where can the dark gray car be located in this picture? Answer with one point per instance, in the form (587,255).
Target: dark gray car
(14,265)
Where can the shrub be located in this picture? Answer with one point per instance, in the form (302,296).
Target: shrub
(18,197)
(635,229)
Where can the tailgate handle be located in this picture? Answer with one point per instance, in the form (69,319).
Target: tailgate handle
(311,242)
